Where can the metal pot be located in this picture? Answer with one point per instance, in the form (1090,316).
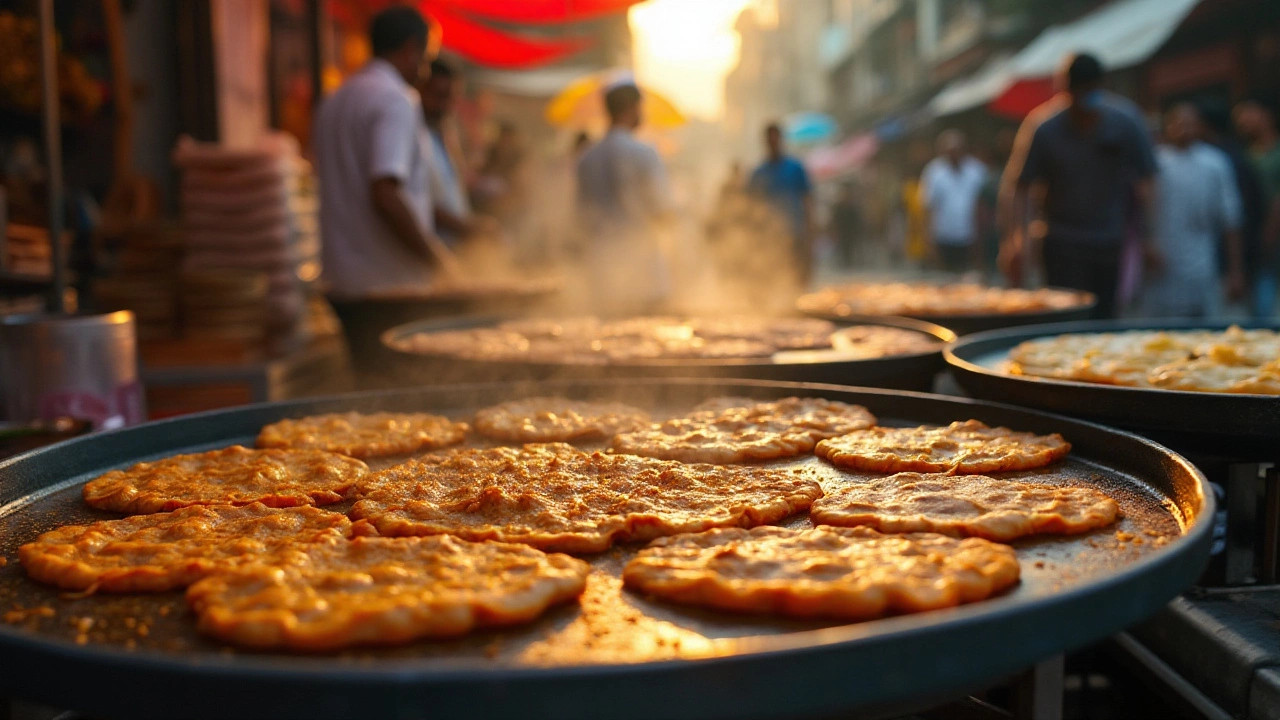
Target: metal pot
(79,366)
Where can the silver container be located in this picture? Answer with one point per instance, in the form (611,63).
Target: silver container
(79,366)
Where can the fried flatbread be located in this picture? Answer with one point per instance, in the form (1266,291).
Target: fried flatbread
(556,497)
(232,476)
(845,573)
(760,431)
(966,506)
(968,447)
(922,299)
(877,341)
(363,436)
(379,591)
(782,333)
(163,551)
(557,419)
(1230,361)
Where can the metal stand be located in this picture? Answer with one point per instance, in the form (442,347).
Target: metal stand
(1242,511)
(53,152)
(1270,561)
(1037,693)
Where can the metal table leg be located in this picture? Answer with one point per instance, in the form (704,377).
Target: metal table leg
(1269,570)
(1242,511)
(1037,694)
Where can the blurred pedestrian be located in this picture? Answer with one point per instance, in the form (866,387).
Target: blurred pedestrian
(989,201)
(1084,157)
(500,188)
(783,184)
(1196,202)
(847,225)
(1215,129)
(1256,120)
(624,199)
(454,219)
(376,220)
(952,182)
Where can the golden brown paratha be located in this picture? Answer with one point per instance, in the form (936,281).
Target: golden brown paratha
(556,497)
(966,506)
(379,591)
(845,573)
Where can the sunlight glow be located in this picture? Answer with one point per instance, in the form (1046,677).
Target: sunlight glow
(685,48)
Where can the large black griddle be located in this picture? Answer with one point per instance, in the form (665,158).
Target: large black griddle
(618,655)
(1240,427)
(904,372)
(966,324)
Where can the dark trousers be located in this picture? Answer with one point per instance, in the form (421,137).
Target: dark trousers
(1090,267)
(955,258)
(363,322)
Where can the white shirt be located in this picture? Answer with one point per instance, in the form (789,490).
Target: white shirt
(622,193)
(371,128)
(622,185)
(1196,200)
(952,196)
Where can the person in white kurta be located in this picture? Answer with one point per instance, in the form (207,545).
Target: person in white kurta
(376,225)
(624,201)
(1196,203)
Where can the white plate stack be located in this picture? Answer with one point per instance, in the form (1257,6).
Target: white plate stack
(252,211)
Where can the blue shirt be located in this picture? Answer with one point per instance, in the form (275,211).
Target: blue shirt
(784,184)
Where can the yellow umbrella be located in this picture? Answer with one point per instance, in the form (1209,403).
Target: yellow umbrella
(581,102)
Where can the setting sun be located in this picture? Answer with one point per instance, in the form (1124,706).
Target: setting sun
(685,48)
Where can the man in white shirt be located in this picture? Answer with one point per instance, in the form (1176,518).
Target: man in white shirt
(371,160)
(624,201)
(375,208)
(1196,202)
(952,183)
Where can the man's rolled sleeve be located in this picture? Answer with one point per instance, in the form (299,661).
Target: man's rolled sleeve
(391,139)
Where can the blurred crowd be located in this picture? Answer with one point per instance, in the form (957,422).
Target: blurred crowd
(1177,220)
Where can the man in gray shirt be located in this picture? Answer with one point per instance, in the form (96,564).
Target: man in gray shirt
(1088,160)
(624,201)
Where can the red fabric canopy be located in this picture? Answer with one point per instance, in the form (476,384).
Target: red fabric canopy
(540,12)
(1023,96)
(466,29)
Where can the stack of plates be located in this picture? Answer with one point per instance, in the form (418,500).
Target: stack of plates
(144,279)
(225,305)
(248,212)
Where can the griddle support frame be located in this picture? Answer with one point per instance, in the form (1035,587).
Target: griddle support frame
(1271,527)
(1242,512)
(1037,693)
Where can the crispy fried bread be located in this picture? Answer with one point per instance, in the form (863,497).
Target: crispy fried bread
(380,591)
(162,551)
(966,506)
(232,476)
(967,447)
(760,431)
(556,497)
(557,419)
(845,573)
(364,435)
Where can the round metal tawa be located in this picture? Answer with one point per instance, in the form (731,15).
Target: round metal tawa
(1230,425)
(974,323)
(614,654)
(914,371)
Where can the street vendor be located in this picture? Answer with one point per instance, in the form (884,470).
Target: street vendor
(372,160)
